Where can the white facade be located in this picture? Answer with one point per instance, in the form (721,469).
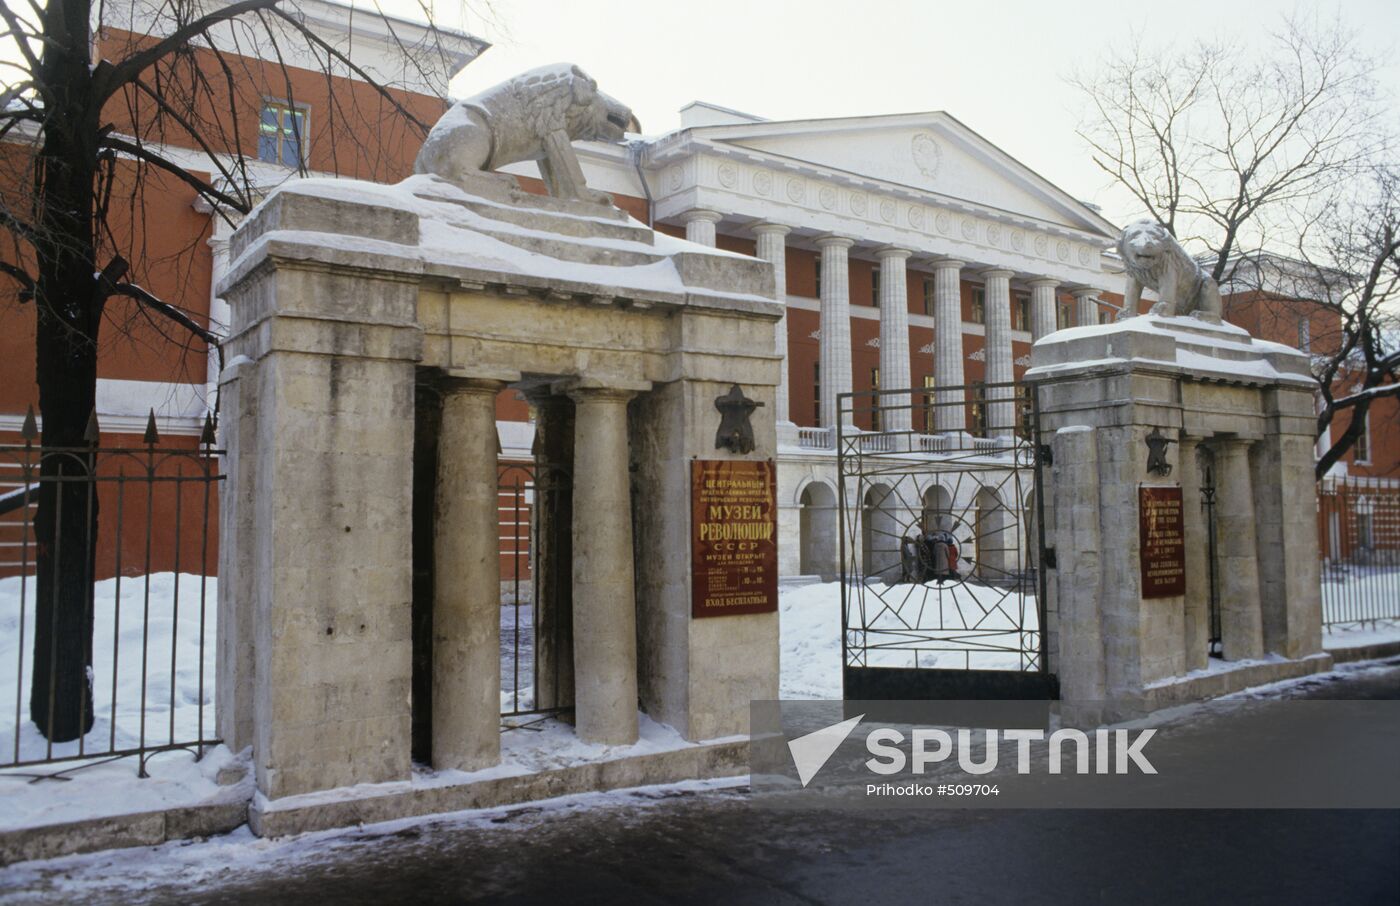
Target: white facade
(914,190)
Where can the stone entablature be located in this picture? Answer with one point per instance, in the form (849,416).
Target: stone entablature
(747,184)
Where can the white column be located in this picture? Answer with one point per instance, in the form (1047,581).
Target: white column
(835,325)
(1086,307)
(219,317)
(1043,306)
(950,414)
(894,338)
(1001,405)
(700,226)
(772,247)
(1241,615)
(467,585)
(605,608)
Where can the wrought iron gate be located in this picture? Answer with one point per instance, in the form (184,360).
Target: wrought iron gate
(536,608)
(941,542)
(1212,561)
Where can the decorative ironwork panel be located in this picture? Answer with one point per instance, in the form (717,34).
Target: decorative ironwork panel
(941,544)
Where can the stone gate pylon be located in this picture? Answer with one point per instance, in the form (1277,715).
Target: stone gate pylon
(1140,415)
(345,298)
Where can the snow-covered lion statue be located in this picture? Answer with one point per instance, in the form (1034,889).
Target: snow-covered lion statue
(1154,259)
(533,116)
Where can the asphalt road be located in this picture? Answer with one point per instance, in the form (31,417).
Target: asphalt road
(714,845)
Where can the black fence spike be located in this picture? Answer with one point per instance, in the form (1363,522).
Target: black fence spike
(152,435)
(30,429)
(206,437)
(94,430)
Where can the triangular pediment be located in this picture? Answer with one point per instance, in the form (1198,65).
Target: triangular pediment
(931,152)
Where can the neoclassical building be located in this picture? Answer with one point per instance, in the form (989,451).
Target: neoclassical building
(910,253)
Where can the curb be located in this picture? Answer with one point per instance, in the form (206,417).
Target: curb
(1374,652)
(120,831)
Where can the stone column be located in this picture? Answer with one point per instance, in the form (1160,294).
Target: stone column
(605,611)
(1196,641)
(1086,306)
(1001,405)
(219,316)
(1241,616)
(467,581)
(1285,512)
(835,325)
(897,414)
(1043,306)
(772,247)
(700,226)
(950,414)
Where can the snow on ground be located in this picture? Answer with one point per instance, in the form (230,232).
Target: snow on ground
(139,874)
(1360,636)
(113,788)
(966,622)
(120,728)
(1352,592)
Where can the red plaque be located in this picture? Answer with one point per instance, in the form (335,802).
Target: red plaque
(733,537)
(1162,541)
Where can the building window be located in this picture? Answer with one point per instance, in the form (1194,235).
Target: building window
(1361,450)
(930,296)
(1304,334)
(817,282)
(928,404)
(817,394)
(978,426)
(1064,314)
(875,285)
(1365,526)
(1021,313)
(979,306)
(282,135)
(875,399)
(1105,316)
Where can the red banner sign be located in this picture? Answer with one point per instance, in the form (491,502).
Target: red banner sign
(1162,542)
(733,537)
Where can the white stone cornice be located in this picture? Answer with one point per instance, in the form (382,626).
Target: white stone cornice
(833,203)
(742,160)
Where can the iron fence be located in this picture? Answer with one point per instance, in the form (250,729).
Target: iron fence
(1359,534)
(536,575)
(107,589)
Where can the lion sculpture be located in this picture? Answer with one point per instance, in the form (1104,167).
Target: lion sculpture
(533,116)
(1154,259)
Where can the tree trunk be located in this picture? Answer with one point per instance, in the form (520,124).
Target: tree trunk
(68,309)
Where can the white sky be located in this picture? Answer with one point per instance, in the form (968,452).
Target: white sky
(997,66)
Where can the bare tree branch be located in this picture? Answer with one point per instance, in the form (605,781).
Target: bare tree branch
(109,78)
(180,173)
